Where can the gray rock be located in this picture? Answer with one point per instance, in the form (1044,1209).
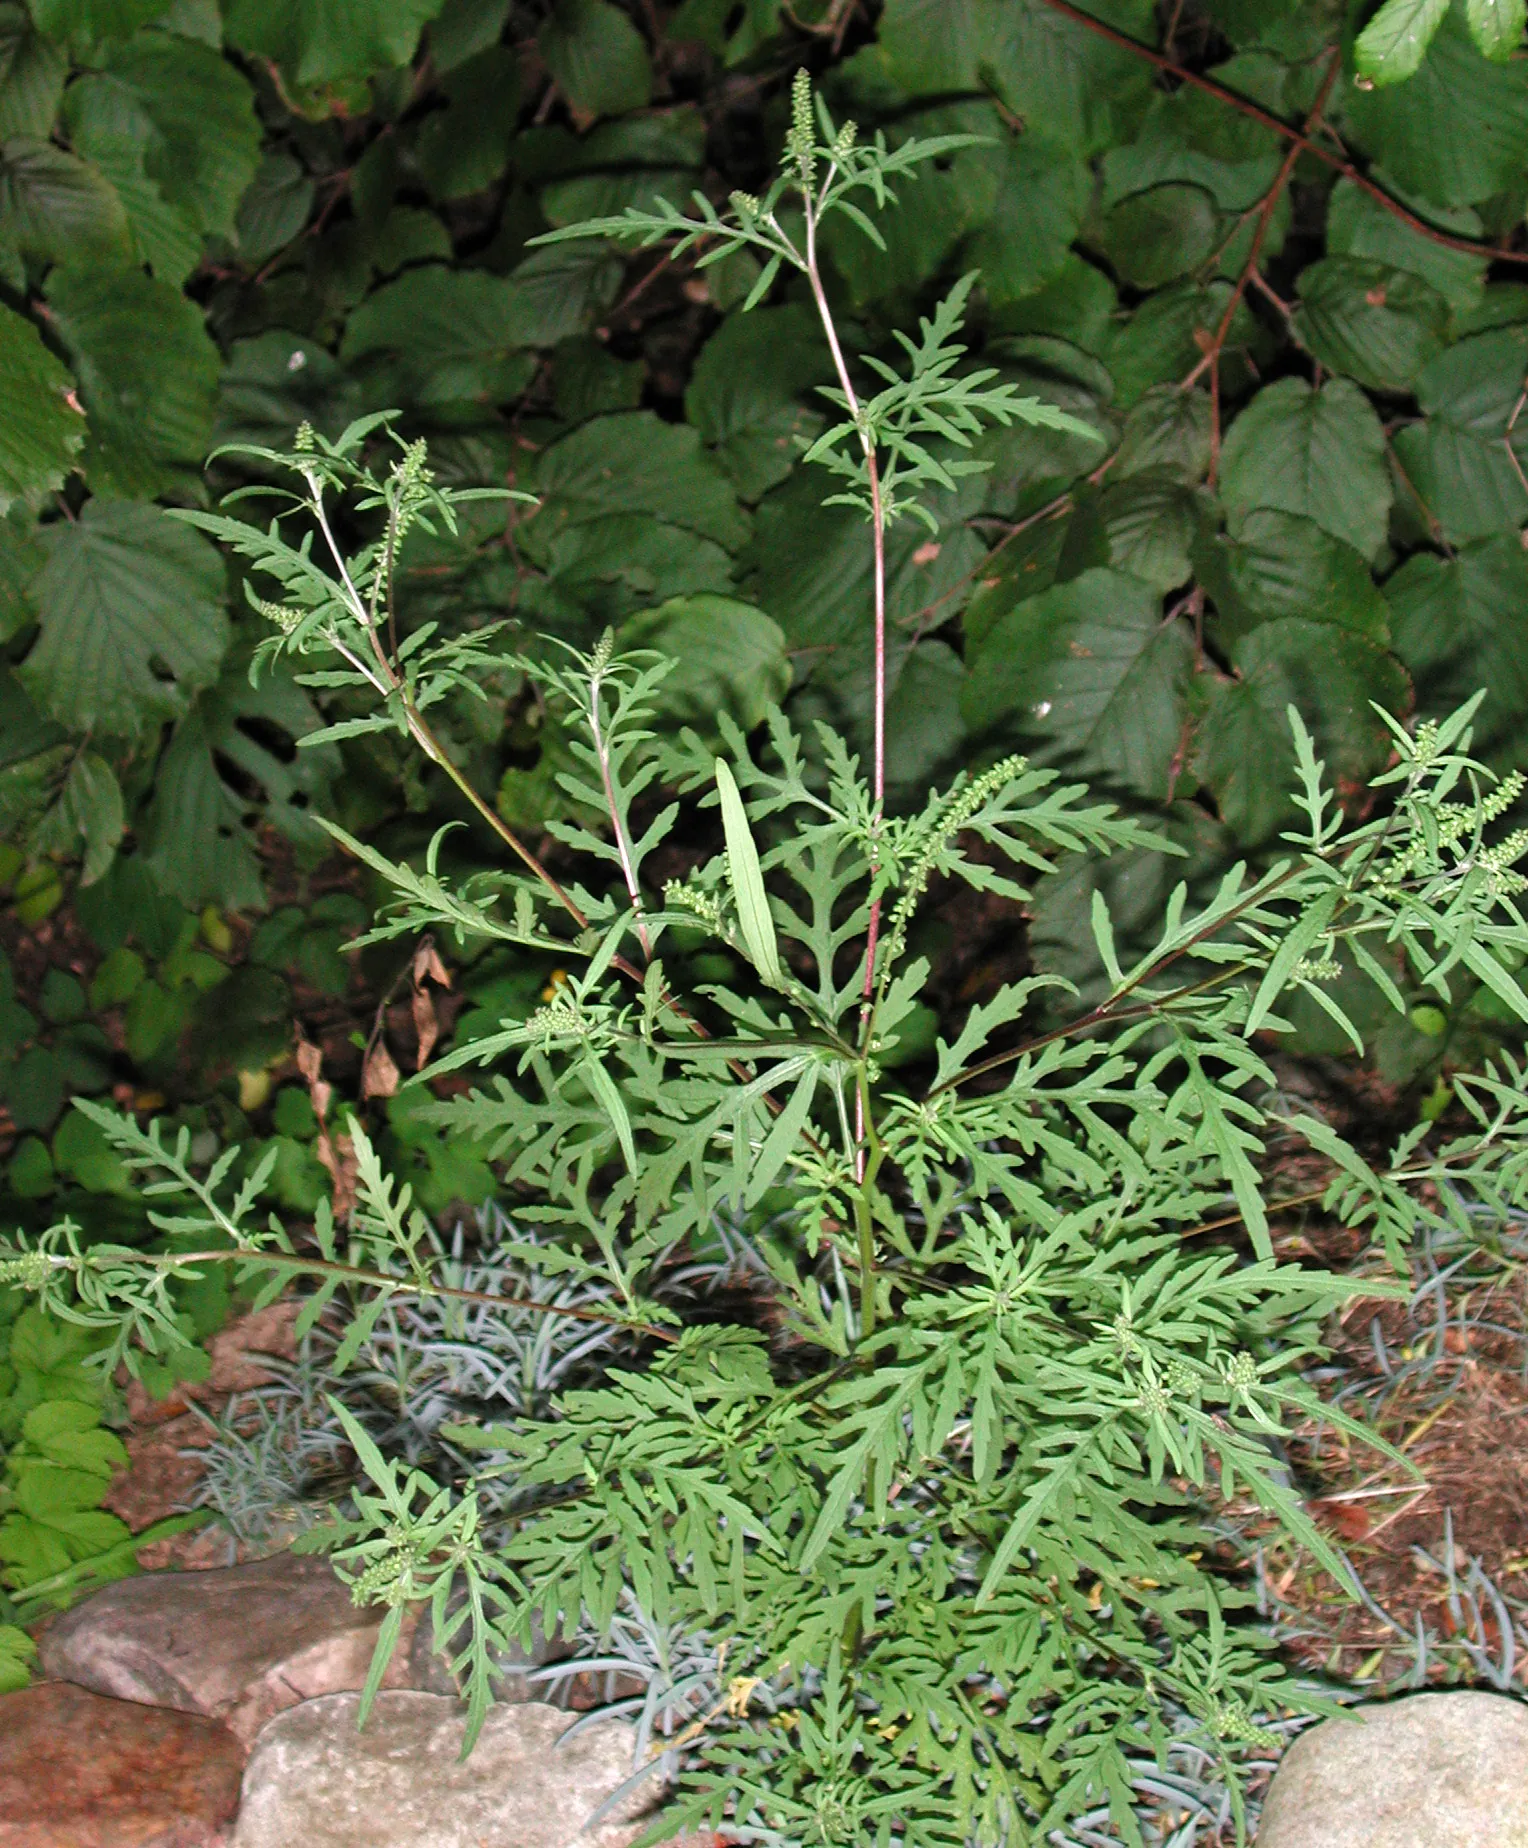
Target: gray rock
(314,1780)
(238,1644)
(1427,1771)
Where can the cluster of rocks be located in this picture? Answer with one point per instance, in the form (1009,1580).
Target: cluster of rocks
(218,1709)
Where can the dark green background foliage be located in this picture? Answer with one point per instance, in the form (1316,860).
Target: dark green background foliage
(1306,358)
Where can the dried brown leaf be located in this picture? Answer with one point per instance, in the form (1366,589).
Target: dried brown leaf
(426,1025)
(379,1074)
(310,1062)
(427,963)
(337,1155)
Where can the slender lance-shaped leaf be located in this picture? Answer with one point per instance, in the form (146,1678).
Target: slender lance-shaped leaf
(1290,952)
(604,1088)
(752,901)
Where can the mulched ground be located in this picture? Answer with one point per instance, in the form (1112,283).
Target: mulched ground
(1439,1541)
(1441,1549)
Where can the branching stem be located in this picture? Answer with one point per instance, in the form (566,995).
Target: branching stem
(371,1279)
(393,685)
(1249,270)
(613,808)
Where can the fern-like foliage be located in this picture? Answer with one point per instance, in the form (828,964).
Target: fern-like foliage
(940,1509)
(962,1539)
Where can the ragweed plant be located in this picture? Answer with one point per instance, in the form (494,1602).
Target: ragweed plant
(941,1532)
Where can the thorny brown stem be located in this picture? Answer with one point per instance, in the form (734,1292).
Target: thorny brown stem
(1275,192)
(917,623)
(1286,132)
(1269,294)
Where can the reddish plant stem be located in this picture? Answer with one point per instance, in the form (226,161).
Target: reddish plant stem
(878,532)
(1434,524)
(1285,132)
(1110,1009)
(877,512)
(639,287)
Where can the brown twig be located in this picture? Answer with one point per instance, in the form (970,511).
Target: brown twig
(839,16)
(640,286)
(916,623)
(1510,432)
(1269,206)
(1285,132)
(1311,1198)
(1059,504)
(1269,294)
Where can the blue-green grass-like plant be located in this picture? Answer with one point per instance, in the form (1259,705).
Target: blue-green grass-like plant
(943,1529)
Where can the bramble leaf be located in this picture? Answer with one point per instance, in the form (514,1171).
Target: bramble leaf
(125,591)
(597,56)
(42,432)
(1497,26)
(1393,44)
(325,41)
(147,372)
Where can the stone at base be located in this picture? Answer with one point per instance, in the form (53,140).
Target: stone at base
(238,1644)
(314,1780)
(80,1771)
(1446,1770)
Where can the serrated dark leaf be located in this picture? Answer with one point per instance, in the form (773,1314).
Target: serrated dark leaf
(125,590)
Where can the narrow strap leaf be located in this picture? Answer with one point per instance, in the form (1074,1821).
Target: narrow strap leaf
(1103,936)
(604,1088)
(748,893)
(381,1655)
(1291,952)
(783,1135)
